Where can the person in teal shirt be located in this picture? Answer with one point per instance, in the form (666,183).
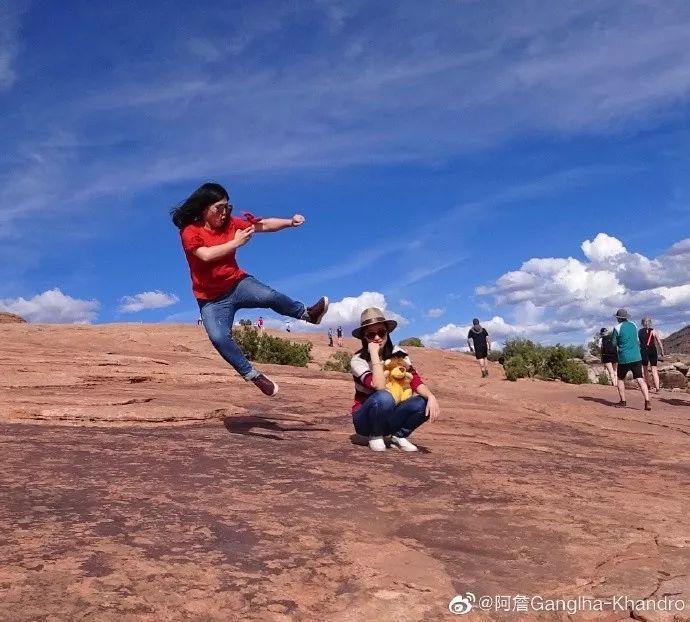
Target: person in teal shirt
(629,357)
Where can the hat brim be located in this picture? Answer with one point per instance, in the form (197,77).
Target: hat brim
(390,327)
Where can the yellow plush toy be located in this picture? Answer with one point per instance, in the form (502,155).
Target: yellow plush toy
(397,378)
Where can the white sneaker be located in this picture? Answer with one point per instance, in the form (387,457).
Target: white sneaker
(376,443)
(403,443)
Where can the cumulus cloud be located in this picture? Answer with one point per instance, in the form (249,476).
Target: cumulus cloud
(53,307)
(146,300)
(345,313)
(435,312)
(404,302)
(548,295)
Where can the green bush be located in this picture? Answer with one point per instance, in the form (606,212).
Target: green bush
(340,361)
(412,341)
(594,348)
(245,322)
(263,348)
(496,356)
(603,378)
(526,359)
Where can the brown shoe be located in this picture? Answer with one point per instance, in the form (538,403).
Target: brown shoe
(315,313)
(266,385)
(648,405)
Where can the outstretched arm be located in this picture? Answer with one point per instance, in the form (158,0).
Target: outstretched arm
(270,225)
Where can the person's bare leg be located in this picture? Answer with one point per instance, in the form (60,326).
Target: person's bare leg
(621,389)
(643,387)
(655,376)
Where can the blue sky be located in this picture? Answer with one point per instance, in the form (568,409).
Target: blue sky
(435,150)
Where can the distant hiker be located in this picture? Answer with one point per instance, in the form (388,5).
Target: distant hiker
(479,343)
(199,322)
(330,337)
(649,339)
(374,412)
(287,326)
(339,333)
(260,324)
(210,238)
(625,338)
(609,353)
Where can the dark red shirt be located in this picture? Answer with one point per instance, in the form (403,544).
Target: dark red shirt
(212,279)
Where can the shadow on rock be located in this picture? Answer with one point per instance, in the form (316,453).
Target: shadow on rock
(247,425)
(599,400)
(674,401)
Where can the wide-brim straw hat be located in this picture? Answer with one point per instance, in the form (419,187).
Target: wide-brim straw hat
(622,314)
(372,316)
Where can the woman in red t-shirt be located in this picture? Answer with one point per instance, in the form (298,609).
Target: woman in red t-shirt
(210,237)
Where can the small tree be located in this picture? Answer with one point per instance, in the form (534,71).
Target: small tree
(245,322)
(264,348)
(593,348)
(340,361)
(412,341)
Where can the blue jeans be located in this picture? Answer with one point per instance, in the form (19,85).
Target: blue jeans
(381,416)
(219,314)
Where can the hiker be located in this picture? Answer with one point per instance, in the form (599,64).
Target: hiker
(649,339)
(479,337)
(210,237)
(287,326)
(625,338)
(375,413)
(330,337)
(609,353)
(339,334)
(260,324)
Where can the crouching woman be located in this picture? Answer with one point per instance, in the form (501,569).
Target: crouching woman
(375,413)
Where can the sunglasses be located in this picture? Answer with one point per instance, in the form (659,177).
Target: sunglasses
(372,334)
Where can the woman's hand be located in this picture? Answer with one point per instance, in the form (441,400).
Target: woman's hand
(242,236)
(374,350)
(433,411)
(297,220)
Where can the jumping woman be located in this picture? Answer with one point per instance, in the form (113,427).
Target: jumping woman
(210,237)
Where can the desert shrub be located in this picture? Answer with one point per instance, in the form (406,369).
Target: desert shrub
(412,341)
(264,348)
(574,372)
(340,361)
(526,359)
(245,322)
(496,356)
(516,367)
(603,378)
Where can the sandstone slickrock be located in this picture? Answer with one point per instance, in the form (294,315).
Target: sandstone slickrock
(143,480)
(11,318)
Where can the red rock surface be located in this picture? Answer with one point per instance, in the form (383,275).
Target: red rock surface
(11,318)
(143,480)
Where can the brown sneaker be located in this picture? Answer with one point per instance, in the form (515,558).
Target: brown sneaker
(315,313)
(266,385)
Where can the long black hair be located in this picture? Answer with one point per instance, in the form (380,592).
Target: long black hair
(385,352)
(192,208)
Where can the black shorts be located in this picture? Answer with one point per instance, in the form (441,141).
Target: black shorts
(609,358)
(650,357)
(480,354)
(624,368)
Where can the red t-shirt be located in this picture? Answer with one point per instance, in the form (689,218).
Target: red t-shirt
(212,279)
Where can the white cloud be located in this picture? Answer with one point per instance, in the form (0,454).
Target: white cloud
(404,302)
(345,313)
(9,31)
(556,295)
(146,300)
(53,307)
(602,247)
(436,312)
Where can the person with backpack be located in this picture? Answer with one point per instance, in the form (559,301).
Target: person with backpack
(609,354)
(626,340)
(649,340)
